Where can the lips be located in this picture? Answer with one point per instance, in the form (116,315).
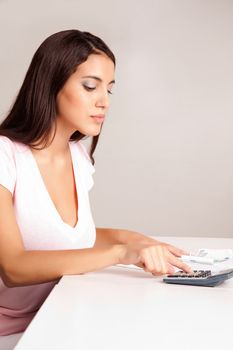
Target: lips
(98,118)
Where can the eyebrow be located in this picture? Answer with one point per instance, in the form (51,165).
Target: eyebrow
(97,78)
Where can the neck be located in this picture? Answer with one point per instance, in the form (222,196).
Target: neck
(58,148)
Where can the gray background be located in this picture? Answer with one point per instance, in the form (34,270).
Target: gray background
(164,162)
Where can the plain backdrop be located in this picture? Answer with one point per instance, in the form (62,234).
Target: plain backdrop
(164,165)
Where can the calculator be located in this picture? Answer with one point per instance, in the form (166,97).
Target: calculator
(204,278)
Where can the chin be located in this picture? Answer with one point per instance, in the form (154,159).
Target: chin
(93,132)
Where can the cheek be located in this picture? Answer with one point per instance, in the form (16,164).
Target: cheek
(66,102)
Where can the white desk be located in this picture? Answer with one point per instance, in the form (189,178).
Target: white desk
(127,309)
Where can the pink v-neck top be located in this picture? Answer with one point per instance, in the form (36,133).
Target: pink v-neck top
(40,224)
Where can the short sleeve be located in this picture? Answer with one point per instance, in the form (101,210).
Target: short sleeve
(87,166)
(7,164)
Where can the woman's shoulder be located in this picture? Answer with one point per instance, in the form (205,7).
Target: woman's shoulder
(5,140)
(6,144)
(9,145)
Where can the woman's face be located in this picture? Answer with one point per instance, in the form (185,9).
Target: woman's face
(83,101)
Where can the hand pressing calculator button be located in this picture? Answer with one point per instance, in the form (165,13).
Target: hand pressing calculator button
(199,277)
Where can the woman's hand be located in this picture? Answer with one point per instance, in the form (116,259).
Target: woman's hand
(157,258)
(172,249)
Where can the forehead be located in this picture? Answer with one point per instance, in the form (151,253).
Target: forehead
(97,65)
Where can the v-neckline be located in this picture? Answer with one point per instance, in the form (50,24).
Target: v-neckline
(53,207)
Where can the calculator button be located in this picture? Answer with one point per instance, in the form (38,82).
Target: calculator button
(194,274)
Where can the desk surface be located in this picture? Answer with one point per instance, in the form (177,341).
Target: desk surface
(120,308)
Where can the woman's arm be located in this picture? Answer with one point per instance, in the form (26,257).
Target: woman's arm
(109,236)
(19,267)
(33,267)
(106,236)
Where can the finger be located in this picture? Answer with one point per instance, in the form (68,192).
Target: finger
(148,261)
(178,263)
(162,260)
(170,270)
(176,251)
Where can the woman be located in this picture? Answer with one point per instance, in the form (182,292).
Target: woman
(46,227)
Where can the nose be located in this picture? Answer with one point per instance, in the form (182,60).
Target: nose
(103,100)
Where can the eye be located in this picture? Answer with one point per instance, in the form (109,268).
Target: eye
(109,92)
(89,88)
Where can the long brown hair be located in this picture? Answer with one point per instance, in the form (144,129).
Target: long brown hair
(32,115)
